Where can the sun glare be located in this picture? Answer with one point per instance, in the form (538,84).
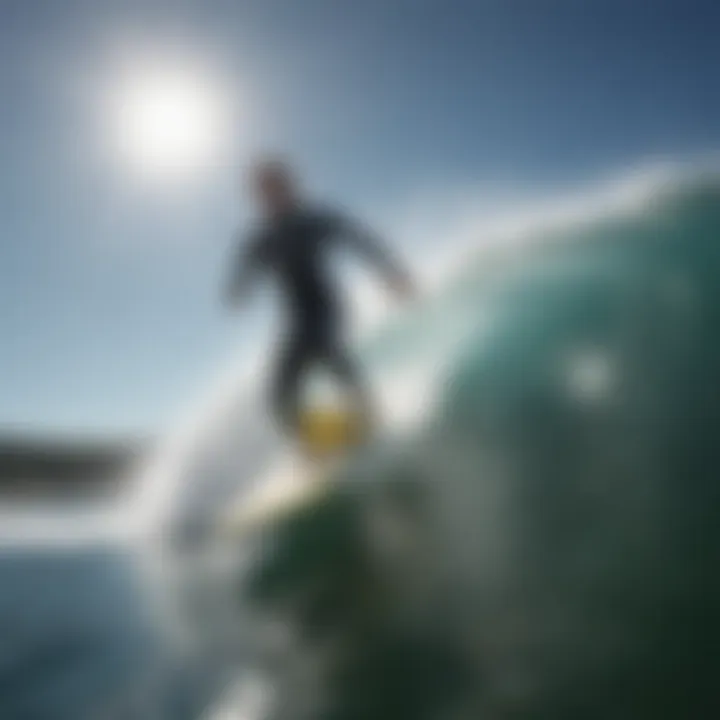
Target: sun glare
(169,123)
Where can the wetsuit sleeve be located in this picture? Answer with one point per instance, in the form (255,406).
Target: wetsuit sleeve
(362,240)
(244,267)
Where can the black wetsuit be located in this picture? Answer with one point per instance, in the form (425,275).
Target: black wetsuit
(294,249)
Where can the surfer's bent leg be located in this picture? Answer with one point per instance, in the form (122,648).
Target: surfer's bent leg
(310,342)
(341,363)
(294,357)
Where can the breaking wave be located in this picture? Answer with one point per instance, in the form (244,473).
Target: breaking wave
(532,534)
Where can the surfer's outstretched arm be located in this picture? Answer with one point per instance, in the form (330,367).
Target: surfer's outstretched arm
(367,243)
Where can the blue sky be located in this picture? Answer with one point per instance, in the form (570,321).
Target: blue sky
(109,312)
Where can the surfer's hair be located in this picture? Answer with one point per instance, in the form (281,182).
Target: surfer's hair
(273,169)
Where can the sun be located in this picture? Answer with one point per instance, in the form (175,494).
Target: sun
(169,123)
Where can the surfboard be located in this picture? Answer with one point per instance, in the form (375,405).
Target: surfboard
(326,436)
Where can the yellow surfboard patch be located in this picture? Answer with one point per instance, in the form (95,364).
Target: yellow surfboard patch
(327,431)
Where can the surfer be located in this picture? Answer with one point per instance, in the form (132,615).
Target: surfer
(291,244)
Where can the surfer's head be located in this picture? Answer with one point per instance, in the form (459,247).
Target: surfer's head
(274,186)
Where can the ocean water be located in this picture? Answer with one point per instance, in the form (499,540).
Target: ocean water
(535,535)
(79,643)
